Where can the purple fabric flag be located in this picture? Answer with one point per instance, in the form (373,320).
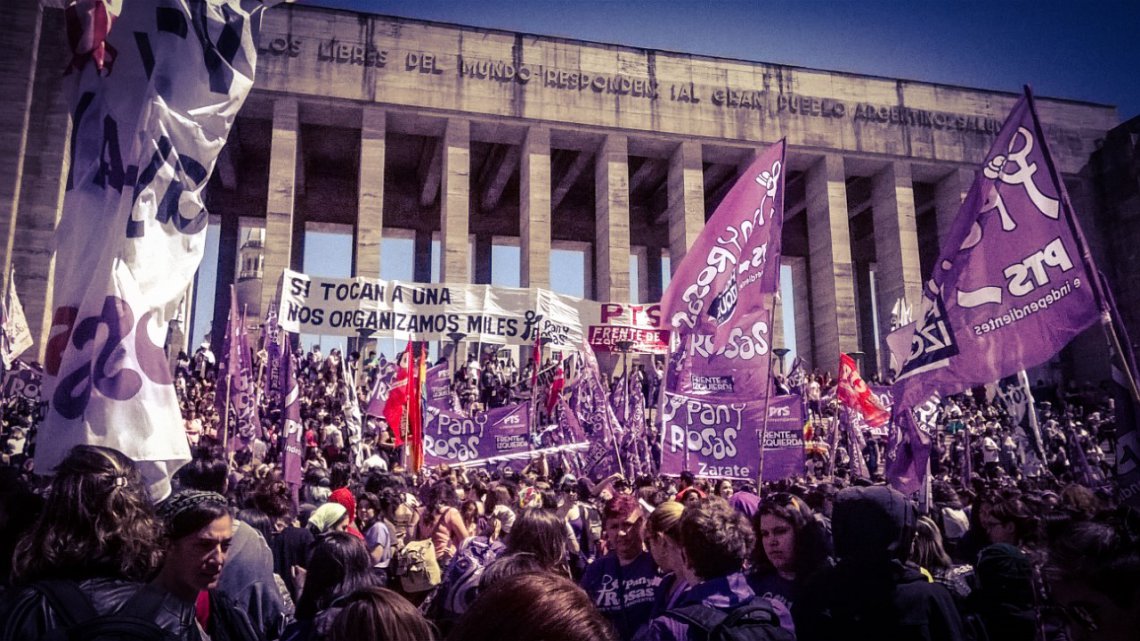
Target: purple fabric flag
(1017,398)
(784,439)
(378,397)
(437,387)
(723,288)
(292,451)
(571,427)
(1125,411)
(719,302)
(273,363)
(722,440)
(908,448)
(454,438)
(855,444)
(235,399)
(1012,285)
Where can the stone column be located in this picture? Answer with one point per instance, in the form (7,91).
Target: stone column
(534,209)
(948,196)
(279,215)
(686,206)
(42,181)
(643,258)
(455,201)
(370,195)
(421,270)
(21,40)
(802,307)
(483,248)
(611,203)
(897,273)
(652,276)
(829,245)
(228,241)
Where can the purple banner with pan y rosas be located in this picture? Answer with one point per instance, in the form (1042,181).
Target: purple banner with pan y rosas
(1011,287)
(453,438)
(722,439)
(721,296)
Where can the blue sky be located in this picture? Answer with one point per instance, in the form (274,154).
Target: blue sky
(1086,51)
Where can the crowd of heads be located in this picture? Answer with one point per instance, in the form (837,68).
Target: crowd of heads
(1025,545)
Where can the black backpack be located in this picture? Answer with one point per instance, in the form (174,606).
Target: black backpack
(753,620)
(79,621)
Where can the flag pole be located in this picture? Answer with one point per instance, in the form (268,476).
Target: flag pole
(226,418)
(1100,289)
(767,402)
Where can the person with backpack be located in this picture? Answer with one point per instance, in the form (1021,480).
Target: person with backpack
(716,540)
(81,567)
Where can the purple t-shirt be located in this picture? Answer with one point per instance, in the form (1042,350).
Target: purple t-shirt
(623,594)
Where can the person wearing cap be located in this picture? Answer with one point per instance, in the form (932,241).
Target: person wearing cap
(198,529)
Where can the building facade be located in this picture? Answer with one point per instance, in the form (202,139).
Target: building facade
(389,126)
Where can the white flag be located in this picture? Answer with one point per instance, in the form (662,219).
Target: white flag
(16,336)
(147,129)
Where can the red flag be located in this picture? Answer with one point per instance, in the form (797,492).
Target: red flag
(555,388)
(415,412)
(854,393)
(396,405)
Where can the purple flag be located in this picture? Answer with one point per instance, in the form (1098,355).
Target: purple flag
(235,399)
(292,451)
(723,288)
(1012,285)
(454,438)
(908,448)
(273,363)
(437,387)
(571,427)
(1125,411)
(722,440)
(378,397)
(855,444)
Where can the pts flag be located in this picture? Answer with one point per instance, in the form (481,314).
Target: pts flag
(1012,286)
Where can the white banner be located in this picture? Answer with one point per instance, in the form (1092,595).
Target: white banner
(147,129)
(433,311)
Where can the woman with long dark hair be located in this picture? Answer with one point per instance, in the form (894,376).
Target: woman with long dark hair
(339,565)
(441,522)
(97,537)
(379,614)
(791,546)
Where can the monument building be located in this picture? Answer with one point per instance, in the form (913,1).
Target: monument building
(469,138)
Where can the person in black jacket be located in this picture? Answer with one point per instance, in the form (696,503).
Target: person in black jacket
(198,530)
(872,593)
(97,532)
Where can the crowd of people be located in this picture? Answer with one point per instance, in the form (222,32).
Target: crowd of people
(1004,546)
